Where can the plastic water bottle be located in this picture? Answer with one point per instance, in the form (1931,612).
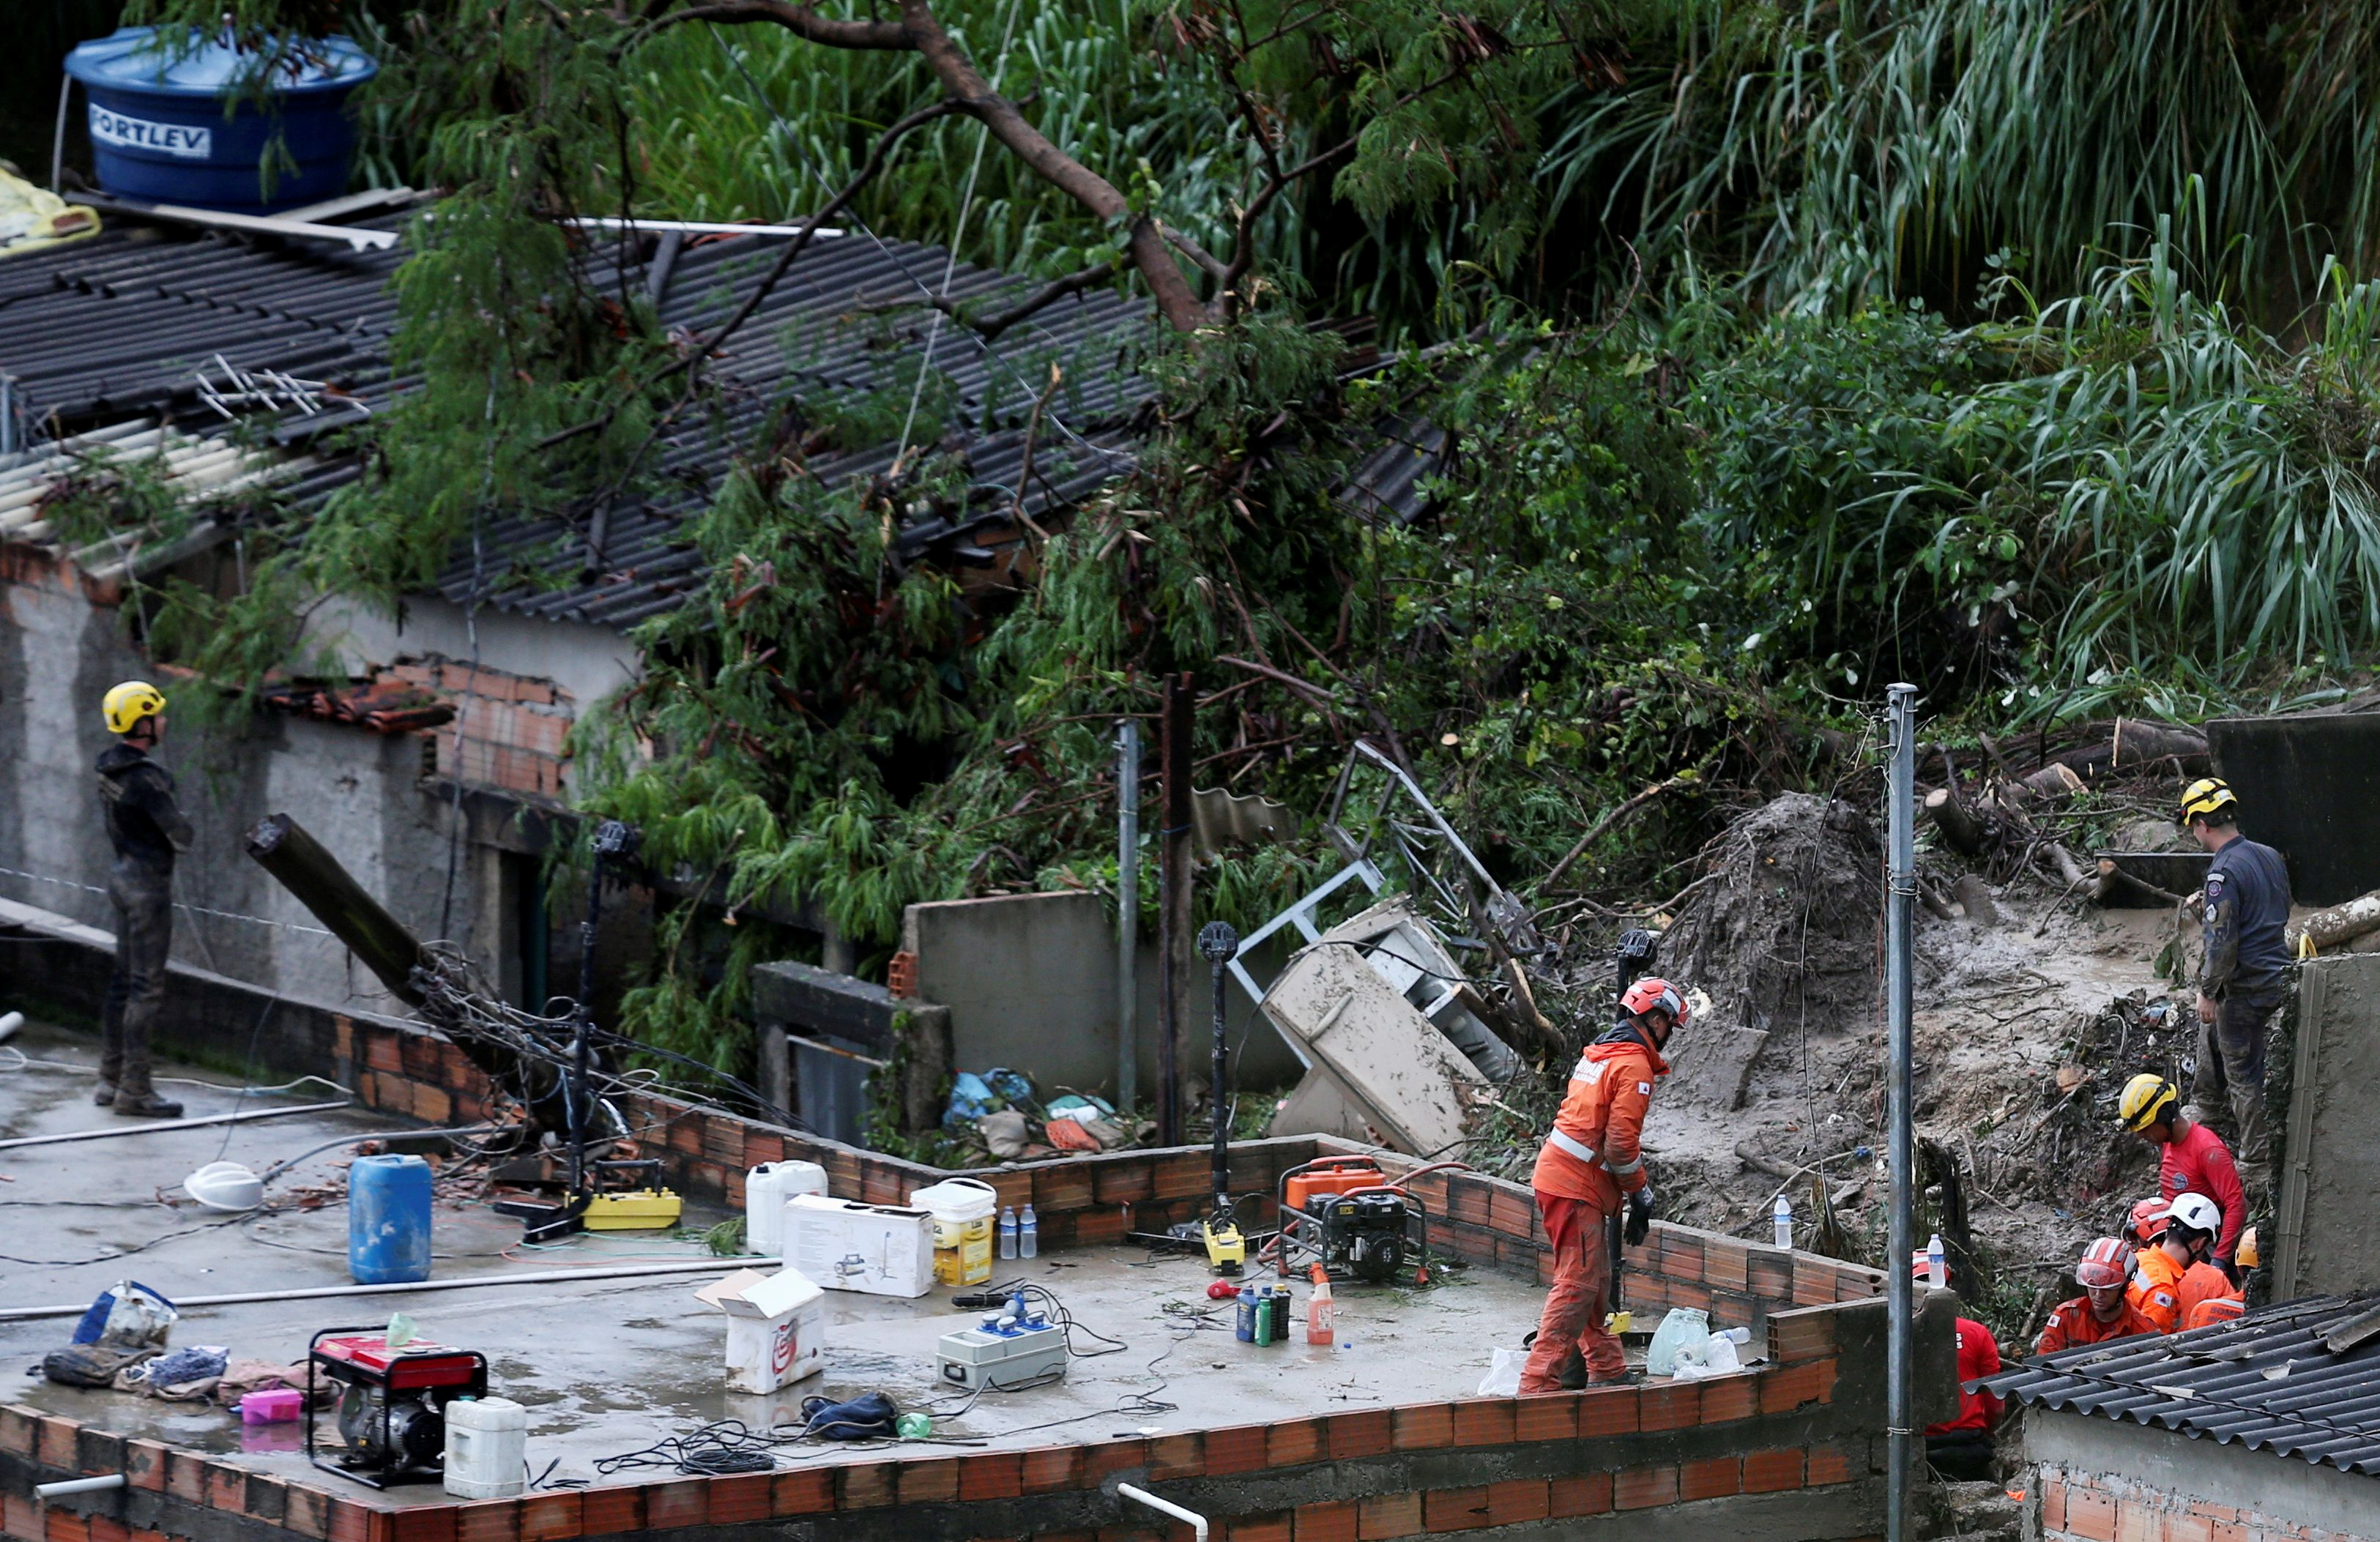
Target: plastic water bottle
(1937,1273)
(1734,1335)
(1028,1234)
(1007,1232)
(1782,1214)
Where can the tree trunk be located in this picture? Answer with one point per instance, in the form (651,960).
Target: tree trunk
(2339,924)
(1958,823)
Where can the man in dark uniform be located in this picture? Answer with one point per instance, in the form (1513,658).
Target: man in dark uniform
(2246,909)
(147,829)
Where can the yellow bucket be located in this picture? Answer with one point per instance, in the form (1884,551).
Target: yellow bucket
(963,1211)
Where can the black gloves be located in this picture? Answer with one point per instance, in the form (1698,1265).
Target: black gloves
(1640,1217)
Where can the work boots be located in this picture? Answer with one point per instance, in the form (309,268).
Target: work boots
(106,1094)
(148,1106)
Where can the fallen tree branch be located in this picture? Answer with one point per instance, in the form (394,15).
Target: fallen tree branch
(1610,818)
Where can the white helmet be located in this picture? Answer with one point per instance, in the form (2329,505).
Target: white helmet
(2197,1212)
(224,1186)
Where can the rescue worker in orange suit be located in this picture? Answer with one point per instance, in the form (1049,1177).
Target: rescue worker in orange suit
(1960,1449)
(1591,1169)
(2104,1310)
(2170,1277)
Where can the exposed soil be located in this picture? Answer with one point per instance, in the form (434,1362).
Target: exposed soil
(2023,1033)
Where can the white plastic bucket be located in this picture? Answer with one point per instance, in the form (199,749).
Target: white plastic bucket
(963,1209)
(766,1189)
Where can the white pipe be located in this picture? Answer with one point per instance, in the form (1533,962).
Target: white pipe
(1197,1521)
(152,1128)
(320,1292)
(77,1486)
(695,228)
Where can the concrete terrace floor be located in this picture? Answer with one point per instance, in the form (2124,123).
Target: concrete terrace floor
(611,1367)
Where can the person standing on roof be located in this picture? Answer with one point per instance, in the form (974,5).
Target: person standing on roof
(2240,978)
(1592,1169)
(2191,1158)
(147,830)
(2103,1311)
(1960,1449)
(2170,1276)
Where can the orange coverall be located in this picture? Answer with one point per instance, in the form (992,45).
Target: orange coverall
(2073,1324)
(1590,1163)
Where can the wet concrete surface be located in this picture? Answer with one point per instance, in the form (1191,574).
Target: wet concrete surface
(608,1367)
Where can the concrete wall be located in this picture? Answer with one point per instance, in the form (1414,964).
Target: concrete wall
(589,662)
(362,794)
(2099,1480)
(2328,1223)
(1030,980)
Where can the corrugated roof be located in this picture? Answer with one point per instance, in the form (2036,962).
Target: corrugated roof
(2269,1380)
(107,339)
(110,336)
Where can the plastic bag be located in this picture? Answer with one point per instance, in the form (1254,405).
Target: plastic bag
(1682,1325)
(1714,1356)
(1503,1378)
(127,1314)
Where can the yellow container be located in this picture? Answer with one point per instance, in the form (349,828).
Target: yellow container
(963,1211)
(635,1210)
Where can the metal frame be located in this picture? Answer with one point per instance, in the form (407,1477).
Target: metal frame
(356,1375)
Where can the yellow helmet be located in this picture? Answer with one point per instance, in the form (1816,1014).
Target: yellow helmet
(2247,1254)
(2203,797)
(124,706)
(2148,1099)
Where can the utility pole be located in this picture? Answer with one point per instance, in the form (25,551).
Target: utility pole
(1127,912)
(1901,800)
(1174,908)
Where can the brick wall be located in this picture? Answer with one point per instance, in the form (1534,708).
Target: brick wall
(2082,1506)
(508,730)
(1794,1442)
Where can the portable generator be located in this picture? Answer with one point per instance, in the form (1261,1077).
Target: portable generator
(1341,1212)
(390,1412)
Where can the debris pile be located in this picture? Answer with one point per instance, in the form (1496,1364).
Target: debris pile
(1784,933)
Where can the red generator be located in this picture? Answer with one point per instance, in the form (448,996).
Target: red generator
(391,1416)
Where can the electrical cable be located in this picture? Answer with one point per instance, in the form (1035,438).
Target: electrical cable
(20,1061)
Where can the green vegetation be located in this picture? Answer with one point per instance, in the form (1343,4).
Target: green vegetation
(2025,349)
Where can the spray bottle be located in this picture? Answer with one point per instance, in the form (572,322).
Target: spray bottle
(1321,1314)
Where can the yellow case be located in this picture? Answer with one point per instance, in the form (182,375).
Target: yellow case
(635,1210)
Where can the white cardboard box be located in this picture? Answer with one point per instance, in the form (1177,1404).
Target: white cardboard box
(776,1327)
(844,1246)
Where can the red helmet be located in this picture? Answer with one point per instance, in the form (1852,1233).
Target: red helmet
(2105,1263)
(1648,993)
(2147,1221)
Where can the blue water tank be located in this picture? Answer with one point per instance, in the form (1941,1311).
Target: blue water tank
(179,126)
(388,1220)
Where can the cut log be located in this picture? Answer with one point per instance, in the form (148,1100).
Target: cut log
(2132,744)
(2114,886)
(2337,924)
(2056,780)
(1959,824)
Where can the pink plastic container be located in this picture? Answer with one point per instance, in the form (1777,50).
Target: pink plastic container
(279,1406)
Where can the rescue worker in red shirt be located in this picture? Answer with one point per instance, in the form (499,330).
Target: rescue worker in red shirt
(2102,1311)
(1590,1170)
(2191,1158)
(1960,1449)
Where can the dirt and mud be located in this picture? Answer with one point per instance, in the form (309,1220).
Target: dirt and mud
(2028,1018)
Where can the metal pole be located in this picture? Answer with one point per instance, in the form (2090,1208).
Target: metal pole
(1127,912)
(1901,705)
(1216,943)
(1173,910)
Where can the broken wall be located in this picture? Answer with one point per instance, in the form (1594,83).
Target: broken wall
(363,794)
(2328,1229)
(1030,982)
